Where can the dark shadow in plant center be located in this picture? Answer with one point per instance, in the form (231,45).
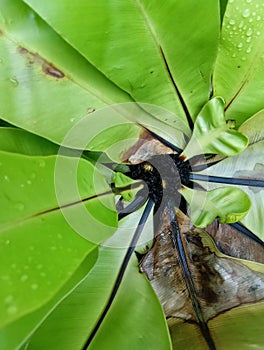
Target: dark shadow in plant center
(162,176)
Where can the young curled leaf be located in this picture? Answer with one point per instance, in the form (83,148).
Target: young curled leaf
(122,181)
(211,133)
(228,203)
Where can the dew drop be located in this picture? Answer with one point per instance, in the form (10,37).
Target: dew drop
(232,22)
(249,32)
(248,50)
(13,266)
(33,175)
(34,286)
(246,13)
(248,1)
(258,18)
(249,39)
(234,55)
(22,185)
(39,266)
(14,81)
(240,45)
(11,310)
(72,120)
(59,235)
(31,247)
(5,278)
(258,33)
(7,242)
(53,248)
(43,274)
(250,20)
(230,1)
(9,299)
(6,178)
(41,163)
(23,278)
(19,206)
(29,182)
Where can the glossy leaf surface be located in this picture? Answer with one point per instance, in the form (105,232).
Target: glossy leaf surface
(239,68)
(136,301)
(20,141)
(229,204)
(143,29)
(64,63)
(211,133)
(248,165)
(40,251)
(48,71)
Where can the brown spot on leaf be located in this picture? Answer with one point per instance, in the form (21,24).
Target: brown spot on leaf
(23,50)
(1,32)
(90,110)
(47,67)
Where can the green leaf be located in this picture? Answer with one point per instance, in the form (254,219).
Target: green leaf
(15,333)
(40,250)
(47,76)
(229,204)
(121,180)
(20,141)
(223,4)
(247,165)
(239,69)
(211,133)
(102,32)
(134,320)
(252,127)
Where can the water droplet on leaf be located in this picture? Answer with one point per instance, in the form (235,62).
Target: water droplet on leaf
(11,310)
(34,286)
(246,13)
(23,278)
(19,206)
(14,81)
(249,31)
(9,299)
